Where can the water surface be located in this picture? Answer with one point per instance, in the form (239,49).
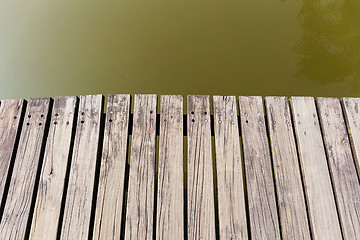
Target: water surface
(230,47)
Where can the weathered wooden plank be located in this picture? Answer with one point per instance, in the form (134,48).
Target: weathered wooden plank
(342,168)
(28,160)
(140,202)
(318,190)
(200,183)
(170,197)
(352,117)
(82,172)
(112,172)
(51,185)
(259,179)
(230,181)
(290,193)
(10,117)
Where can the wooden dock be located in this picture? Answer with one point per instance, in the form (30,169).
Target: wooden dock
(230,168)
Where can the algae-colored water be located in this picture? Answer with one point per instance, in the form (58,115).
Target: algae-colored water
(230,47)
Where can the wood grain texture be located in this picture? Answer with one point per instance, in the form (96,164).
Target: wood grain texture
(263,214)
(230,181)
(170,197)
(352,117)
(140,202)
(200,183)
(342,168)
(22,185)
(112,172)
(290,192)
(51,184)
(318,189)
(10,117)
(82,172)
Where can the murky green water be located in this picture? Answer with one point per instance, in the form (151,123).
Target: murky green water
(230,47)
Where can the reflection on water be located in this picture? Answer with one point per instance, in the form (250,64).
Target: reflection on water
(231,47)
(329,49)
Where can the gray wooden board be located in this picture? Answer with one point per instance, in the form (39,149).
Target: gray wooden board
(230,181)
(319,195)
(82,172)
(140,202)
(200,182)
(263,215)
(51,184)
(21,189)
(10,115)
(170,197)
(342,168)
(352,117)
(290,192)
(112,171)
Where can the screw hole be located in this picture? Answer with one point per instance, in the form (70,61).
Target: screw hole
(110,120)
(56,114)
(67,123)
(82,121)
(42,115)
(193,120)
(40,124)
(151,112)
(205,113)
(27,124)
(192,112)
(29,116)
(247,121)
(15,117)
(82,113)
(55,122)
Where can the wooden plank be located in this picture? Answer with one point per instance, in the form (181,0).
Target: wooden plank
(82,172)
(51,185)
(323,216)
(170,197)
(259,179)
(230,181)
(352,117)
(10,117)
(200,183)
(28,160)
(342,168)
(140,202)
(112,171)
(290,193)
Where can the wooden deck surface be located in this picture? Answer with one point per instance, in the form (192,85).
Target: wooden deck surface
(229,168)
